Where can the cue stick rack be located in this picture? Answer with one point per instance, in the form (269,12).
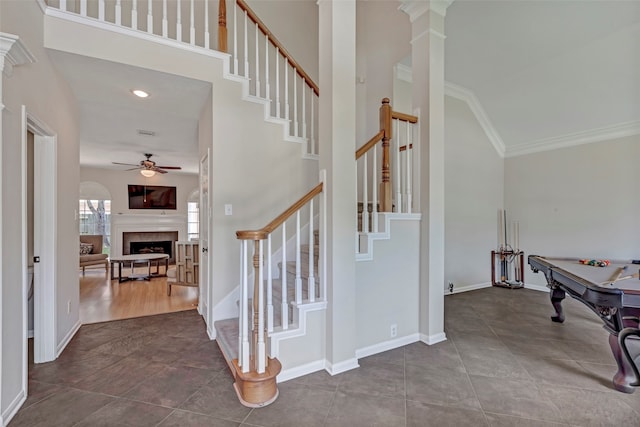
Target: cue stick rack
(509,257)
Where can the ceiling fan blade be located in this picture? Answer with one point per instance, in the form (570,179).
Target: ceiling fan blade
(124,164)
(170,167)
(157,169)
(132,169)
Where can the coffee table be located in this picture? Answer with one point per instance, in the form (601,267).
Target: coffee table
(132,260)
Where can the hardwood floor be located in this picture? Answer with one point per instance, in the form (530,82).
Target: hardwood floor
(102,300)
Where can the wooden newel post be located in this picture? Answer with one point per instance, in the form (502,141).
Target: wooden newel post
(386,204)
(222,26)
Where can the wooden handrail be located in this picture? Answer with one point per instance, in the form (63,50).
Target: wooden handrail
(404,117)
(262,233)
(274,41)
(370,144)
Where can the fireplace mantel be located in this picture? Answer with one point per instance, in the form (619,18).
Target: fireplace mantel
(121,223)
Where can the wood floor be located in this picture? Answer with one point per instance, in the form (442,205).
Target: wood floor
(102,300)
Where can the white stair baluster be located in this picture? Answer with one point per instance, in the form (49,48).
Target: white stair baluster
(283,276)
(134,15)
(398,145)
(179,21)
(409,156)
(304,112)
(312,117)
(257,77)
(150,17)
(63,5)
(165,19)
(119,12)
(269,288)
(100,10)
(83,7)
(277,56)
(267,86)
(261,351)
(311,280)
(243,358)
(246,46)
(365,193)
(192,28)
(235,38)
(374,192)
(207,35)
(295,102)
(298,262)
(286,91)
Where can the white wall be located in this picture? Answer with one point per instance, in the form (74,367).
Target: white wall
(474,177)
(581,201)
(47,97)
(387,287)
(116,182)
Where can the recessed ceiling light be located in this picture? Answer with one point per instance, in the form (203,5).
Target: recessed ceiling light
(140,93)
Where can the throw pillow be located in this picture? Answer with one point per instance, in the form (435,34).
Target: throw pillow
(85,248)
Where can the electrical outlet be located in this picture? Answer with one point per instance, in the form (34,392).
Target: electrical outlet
(228,209)
(394,330)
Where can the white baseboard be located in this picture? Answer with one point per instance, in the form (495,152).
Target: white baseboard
(433,339)
(467,288)
(340,367)
(387,345)
(67,338)
(538,288)
(299,371)
(13,407)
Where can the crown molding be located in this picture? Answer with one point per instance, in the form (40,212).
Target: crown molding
(481,116)
(605,133)
(416,8)
(13,53)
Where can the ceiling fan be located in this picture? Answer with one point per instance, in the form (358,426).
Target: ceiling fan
(148,167)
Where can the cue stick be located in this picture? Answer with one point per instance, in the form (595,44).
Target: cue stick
(631,276)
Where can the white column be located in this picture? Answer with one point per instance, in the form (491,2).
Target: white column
(427,53)
(337,119)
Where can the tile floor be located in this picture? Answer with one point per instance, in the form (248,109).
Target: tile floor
(504,364)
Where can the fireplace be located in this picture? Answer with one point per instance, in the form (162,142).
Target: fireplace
(147,242)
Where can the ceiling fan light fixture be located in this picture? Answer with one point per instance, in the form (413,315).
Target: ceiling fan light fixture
(148,173)
(140,93)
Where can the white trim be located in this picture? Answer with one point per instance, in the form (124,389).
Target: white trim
(415,9)
(227,308)
(538,288)
(605,133)
(387,345)
(404,72)
(433,339)
(340,367)
(282,334)
(67,338)
(299,371)
(13,53)
(13,407)
(467,288)
(383,235)
(482,117)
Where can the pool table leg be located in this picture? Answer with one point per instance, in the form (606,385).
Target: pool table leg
(625,375)
(557,295)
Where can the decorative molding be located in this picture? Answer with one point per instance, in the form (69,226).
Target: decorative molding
(416,8)
(461,289)
(590,136)
(299,371)
(387,345)
(67,338)
(475,106)
(13,53)
(13,407)
(433,339)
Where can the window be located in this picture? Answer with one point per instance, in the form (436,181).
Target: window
(95,218)
(193,218)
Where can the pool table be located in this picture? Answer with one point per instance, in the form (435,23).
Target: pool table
(613,293)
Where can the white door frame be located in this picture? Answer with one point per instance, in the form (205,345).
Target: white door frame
(45,239)
(204,208)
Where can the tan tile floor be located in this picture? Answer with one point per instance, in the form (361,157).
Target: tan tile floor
(504,364)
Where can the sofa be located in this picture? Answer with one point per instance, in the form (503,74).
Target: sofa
(91,252)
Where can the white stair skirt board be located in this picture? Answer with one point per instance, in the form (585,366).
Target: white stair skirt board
(387,345)
(433,339)
(384,219)
(340,367)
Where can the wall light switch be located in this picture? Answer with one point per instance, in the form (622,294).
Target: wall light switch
(228,209)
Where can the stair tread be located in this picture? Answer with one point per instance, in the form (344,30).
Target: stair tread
(227,333)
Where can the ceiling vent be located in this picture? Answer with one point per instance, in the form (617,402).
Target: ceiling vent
(146,132)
